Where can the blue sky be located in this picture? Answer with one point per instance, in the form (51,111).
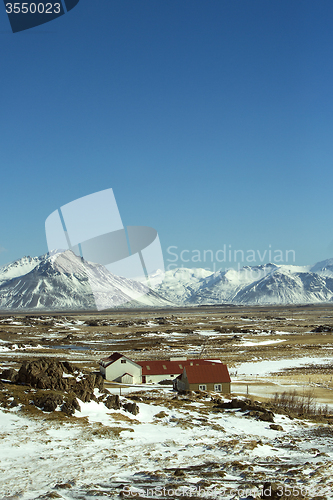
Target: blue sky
(211,120)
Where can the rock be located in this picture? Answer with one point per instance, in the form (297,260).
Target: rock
(322,328)
(161,414)
(76,404)
(179,473)
(42,374)
(68,408)
(63,485)
(131,408)
(125,324)
(112,402)
(46,373)
(49,402)
(276,427)
(9,374)
(267,416)
(92,322)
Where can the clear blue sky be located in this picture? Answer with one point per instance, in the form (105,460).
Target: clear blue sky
(211,120)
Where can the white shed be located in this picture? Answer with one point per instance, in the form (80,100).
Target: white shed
(119,368)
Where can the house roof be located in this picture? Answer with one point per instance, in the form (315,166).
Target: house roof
(114,357)
(208,373)
(166,367)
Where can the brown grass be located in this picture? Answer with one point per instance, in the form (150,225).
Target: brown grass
(300,404)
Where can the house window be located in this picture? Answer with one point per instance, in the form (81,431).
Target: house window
(123,361)
(202,387)
(218,387)
(164,367)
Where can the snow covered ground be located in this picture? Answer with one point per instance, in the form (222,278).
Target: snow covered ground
(105,452)
(183,445)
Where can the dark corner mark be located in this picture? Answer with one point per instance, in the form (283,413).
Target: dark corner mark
(24,15)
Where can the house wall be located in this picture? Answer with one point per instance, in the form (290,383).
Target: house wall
(210,387)
(126,379)
(179,385)
(118,369)
(157,378)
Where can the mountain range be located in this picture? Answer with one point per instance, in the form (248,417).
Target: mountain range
(67,282)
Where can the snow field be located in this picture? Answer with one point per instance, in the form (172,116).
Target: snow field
(103,448)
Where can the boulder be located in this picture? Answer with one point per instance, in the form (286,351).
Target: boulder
(9,374)
(276,427)
(131,408)
(266,416)
(112,402)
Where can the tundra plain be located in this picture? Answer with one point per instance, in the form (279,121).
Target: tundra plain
(177,445)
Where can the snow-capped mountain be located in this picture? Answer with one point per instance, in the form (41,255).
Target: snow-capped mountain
(224,286)
(285,287)
(65,281)
(264,284)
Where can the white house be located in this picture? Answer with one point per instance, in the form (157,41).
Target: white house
(119,368)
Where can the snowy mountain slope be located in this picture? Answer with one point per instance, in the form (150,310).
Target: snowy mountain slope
(64,281)
(19,268)
(323,268)
(264,284)
(285,287)
(224,286)
(180,284)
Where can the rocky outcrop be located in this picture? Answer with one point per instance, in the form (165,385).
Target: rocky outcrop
(253,408)
(60,385)
(52,400)
(113,402)
(49,402)
(322,329)
(48,373)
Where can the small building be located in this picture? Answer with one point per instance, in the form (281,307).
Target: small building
(119,368)
(204,377)
(158,370)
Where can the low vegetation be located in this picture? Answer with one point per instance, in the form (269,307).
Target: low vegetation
(300,404)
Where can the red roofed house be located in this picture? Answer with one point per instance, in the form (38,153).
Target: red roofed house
(158,370)
(189,374)
(119,368)
(205,377)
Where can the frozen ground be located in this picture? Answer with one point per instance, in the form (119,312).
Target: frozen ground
(102,452)
(183,445)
